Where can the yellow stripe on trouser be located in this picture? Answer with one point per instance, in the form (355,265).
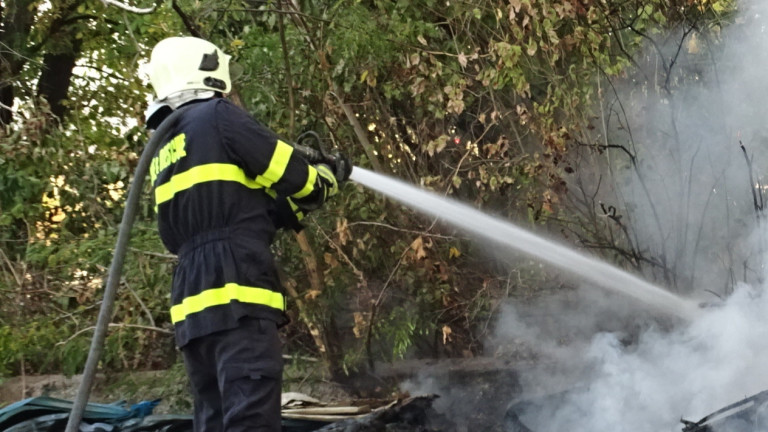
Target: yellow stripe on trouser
(227,293)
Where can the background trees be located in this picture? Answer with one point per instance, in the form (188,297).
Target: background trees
(543,112)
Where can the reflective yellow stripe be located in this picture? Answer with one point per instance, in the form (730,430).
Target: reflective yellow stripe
(309,186)
(277,164)
(296,209)
(201,174)
(324,171)
(227,293)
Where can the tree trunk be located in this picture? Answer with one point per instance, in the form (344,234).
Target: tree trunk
(16,18)
(56,77)
(328,341)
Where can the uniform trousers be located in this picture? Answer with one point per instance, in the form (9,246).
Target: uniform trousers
(236,378)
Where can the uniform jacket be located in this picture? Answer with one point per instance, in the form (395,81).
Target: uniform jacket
(223,184)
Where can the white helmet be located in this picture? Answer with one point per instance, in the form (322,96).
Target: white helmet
(188,63)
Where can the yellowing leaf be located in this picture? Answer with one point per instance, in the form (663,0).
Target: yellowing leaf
(371,80)
(514,8)
(342,229)
(532,47)
(463,59)
(418,247)
(437,145)
(454,253)
(330,260)
(455,106)
(360,325)
(446,334)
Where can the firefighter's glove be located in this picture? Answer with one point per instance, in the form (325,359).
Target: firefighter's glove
(342,167)
(328,179)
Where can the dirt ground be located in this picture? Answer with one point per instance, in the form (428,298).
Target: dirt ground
(104,390)
(170,386)
(18,388)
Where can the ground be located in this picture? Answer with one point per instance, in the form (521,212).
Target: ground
(168,385)
(472,392)
(131,387)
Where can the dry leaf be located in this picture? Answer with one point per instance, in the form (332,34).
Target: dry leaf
(342,230)
(446,334)
(418,247)
(360,325)
(514,8)
(330,260)
(463,60)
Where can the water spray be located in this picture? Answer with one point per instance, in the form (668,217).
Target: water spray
(510,236)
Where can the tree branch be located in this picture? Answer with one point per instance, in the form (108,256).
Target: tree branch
(143,327)
(188,23)
(129,8)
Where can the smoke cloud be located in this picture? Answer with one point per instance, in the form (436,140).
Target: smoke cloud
(651,380)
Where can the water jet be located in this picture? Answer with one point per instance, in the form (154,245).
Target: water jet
(511,237)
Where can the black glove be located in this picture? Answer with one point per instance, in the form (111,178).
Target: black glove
(286,216)
(342,167)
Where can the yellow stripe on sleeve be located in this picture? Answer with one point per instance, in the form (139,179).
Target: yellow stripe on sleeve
(277,164)
(310,185)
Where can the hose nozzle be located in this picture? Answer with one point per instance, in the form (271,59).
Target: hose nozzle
(310,155)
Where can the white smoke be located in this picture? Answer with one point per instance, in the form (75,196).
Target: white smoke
(650,383)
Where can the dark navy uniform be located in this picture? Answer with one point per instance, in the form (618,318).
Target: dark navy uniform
(223,185)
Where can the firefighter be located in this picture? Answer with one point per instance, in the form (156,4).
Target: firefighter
(223,184)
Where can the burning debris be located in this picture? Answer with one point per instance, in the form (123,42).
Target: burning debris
(747,415)
(300,414)
(413,414)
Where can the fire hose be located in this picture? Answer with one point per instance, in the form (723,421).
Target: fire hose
(311,155)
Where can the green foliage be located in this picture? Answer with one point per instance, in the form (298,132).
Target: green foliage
(402,326)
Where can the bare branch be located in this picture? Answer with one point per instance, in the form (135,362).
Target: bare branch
(193,29)
(6,107)
(114,325)
(154,254)
(423,233)
(129,8)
